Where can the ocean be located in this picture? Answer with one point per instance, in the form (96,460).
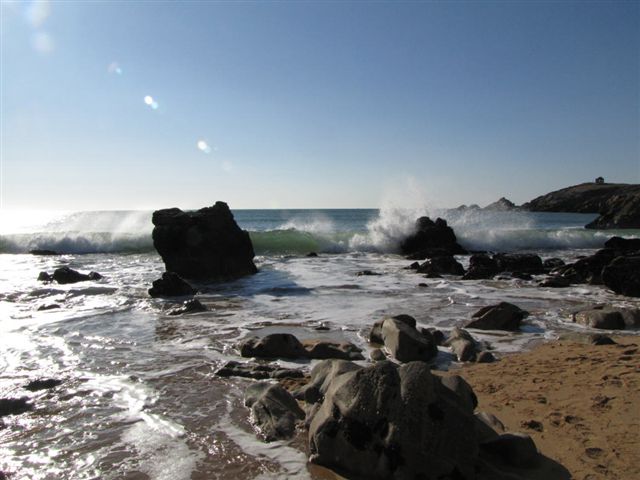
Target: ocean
(140,398)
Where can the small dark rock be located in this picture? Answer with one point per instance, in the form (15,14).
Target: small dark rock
(14,406)
(481,266)
(606,319)
(367,273)
(274,411)
(42,384)
(504,316)
(324,349)
(276,345)
(48,306)
(189,306)
(413,266)
(402,340)
(551,263)
(533,425)
(519,262)
(377,355)
(65,275)
(423,285)
(441,265)
(256,371)
(311,255)
(171,285)
(43,252)
(599,339)
(44,277)
(485,357)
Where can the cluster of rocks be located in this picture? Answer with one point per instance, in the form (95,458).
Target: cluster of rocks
(203,246)
(286,345)
(389,421)
(65,275)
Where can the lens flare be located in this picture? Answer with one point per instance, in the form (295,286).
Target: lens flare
(114,68)
(148,100)
(203,146)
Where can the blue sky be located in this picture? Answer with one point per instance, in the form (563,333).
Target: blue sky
(314,104)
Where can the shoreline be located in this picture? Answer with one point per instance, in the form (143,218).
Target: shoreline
(579,402)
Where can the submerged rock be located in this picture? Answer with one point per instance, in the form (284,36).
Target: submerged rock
(274,411)
(190,306)
(431,239)
(204,245)
(503,316)
(42,384)
(171,285)
(65,275)
(386,421)
(14,406)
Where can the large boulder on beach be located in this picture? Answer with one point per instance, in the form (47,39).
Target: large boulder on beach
(503,316)
(203,245)
(622,275)
(431,239)
(403,341)
(393,422)
(274,411)
(171,285)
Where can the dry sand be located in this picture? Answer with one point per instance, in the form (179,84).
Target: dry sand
(579,402)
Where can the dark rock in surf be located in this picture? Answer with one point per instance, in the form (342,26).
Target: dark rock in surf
(190,306)
(481,266)
(325,349)
(442,265)
(551,263)
(403,341)
(622,275)
(311,255)
(503,316)
(66,275)
(431,239)
(48,306)
(14,406)
(519,262)
(257,371)
(623,245)
(274,411)
(389,421)
(171,285)
(286,345)
(367,273)
(42,384)
(43,252)
(203,245)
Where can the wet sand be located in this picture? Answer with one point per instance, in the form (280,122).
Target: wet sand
(579,402)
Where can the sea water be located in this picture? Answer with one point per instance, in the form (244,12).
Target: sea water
(140,398)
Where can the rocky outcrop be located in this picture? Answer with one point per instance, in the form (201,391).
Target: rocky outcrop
(403,341)
(171,285)
(503,316)
(203,245)
(286,345)
(65,275)
(618,204)
(431,239)
(501,205)
(393,422)
(274,411)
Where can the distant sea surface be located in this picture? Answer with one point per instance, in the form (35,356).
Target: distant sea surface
(140,398)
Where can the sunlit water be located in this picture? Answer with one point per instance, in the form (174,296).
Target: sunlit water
(140,398)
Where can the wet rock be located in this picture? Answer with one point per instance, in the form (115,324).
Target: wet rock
(485,357)
(14,406)
(601,318)
(377,355)
(367,273)
(274,411)
(48,306)
(588,269)
(431,239)
(402,340)
(423,285)
(622,275)
(519,262)
(276,345)
(171,285)
(442,265)
(322,375)
(43,252)
(623,245)
(42,384)
(386,421)
(44,277)
(516,449)
(599,339)
(462,344)
(257,371)
(189,306)
(481,266)
(66,275)
(503,316)
(203,245)
(438,335)
(413,266)
(324,349)
(551,263)
(311,255)
(555,282)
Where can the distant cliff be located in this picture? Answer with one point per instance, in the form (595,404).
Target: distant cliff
(617,203)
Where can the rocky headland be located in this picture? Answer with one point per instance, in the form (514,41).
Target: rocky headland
(618,204)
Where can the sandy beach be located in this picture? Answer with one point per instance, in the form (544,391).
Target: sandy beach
(579,402)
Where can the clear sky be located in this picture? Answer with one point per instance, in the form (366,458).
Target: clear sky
(144,104)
